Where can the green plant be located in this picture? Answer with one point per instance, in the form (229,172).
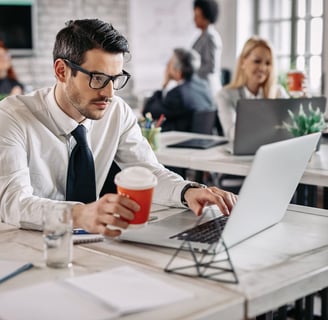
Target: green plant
(3,95)
(303,123)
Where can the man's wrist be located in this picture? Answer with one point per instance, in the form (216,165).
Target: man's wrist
(187,187)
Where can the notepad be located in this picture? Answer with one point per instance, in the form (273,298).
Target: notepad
(128,290)
(87,238)
(102,295)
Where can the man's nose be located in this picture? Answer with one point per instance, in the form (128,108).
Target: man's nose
(108,90)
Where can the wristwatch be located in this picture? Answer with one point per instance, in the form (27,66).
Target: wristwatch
(188,186)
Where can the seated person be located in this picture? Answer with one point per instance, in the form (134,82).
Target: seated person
(81,118)
(254,78)
(9,85)
(189,95)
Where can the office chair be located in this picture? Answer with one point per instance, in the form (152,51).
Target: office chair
(200,122)
(203,122)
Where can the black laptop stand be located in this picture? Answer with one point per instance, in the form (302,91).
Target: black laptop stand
(213,266)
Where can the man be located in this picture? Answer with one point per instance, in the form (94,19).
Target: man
(189,95)
(38,139)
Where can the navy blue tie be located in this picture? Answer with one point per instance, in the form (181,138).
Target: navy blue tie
(81,181)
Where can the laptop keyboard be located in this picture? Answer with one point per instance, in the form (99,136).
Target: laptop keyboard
(208,232)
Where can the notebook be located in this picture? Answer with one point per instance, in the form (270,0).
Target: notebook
(81,236)
(262,202)
(259,121)
(198,143)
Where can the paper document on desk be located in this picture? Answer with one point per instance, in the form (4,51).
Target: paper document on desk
(52,301)
(129,290)
(103,295)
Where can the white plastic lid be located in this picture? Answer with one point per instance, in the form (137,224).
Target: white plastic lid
(136,178)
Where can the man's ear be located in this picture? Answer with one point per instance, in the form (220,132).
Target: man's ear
(61,70)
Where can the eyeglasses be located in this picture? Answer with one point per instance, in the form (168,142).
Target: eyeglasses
(100,80)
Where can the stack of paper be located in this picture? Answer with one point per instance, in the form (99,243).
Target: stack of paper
(103,295)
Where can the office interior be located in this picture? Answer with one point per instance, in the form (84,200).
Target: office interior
(154,28)
(296,29)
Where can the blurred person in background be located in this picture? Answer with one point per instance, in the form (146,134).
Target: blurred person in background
(209,47)
(254,78)
(209,43)
(190,94)
(9,84)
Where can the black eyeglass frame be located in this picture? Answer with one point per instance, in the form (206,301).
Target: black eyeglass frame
(75,66)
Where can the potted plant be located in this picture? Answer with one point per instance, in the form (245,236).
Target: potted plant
(305,123)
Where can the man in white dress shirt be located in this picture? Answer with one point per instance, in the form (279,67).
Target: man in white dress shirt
(36,140)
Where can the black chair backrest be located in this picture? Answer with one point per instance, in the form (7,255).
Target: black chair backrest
(203,121)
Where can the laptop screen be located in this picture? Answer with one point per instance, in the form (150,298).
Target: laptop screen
(260,121)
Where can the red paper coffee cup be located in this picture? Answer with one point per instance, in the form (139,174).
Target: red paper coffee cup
(138,184)
(295,81)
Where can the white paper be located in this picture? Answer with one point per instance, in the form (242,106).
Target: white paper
(128,290)
(52,301)
(103,295)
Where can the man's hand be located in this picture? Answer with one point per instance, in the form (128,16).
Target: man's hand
(198,198)
(111,209)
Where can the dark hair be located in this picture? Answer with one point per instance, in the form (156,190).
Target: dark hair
(209,8)
(80,36)
(188,61)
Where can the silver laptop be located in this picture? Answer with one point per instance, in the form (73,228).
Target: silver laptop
(259,121)
(266,192)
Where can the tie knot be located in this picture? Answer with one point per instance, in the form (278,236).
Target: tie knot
(80,135)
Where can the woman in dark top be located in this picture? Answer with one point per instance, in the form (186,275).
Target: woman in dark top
(209,42)
(9,85)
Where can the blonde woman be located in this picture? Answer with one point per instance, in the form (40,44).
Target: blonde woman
(254,78)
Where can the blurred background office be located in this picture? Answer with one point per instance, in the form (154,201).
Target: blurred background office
(296,28)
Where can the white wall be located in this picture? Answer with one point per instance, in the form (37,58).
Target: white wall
(325,48)
(156,27)
(226,25)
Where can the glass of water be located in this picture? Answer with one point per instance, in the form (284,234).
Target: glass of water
(57,236)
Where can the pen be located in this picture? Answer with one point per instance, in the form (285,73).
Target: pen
(23,268)
(80,231)
(149,120)
(160,120)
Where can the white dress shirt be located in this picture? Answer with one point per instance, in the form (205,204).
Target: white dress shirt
(35,144)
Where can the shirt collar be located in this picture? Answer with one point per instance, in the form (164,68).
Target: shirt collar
(250,95)
(64,123)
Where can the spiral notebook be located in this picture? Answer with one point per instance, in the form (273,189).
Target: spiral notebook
(81,236)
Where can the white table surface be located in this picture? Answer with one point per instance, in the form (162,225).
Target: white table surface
(219,159)
(277,266)
(286,262)
(210,300)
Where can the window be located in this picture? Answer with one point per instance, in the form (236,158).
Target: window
(295,29)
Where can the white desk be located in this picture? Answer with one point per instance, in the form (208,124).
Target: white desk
(218,159)
(210,300)
(278,266)
(285,262)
